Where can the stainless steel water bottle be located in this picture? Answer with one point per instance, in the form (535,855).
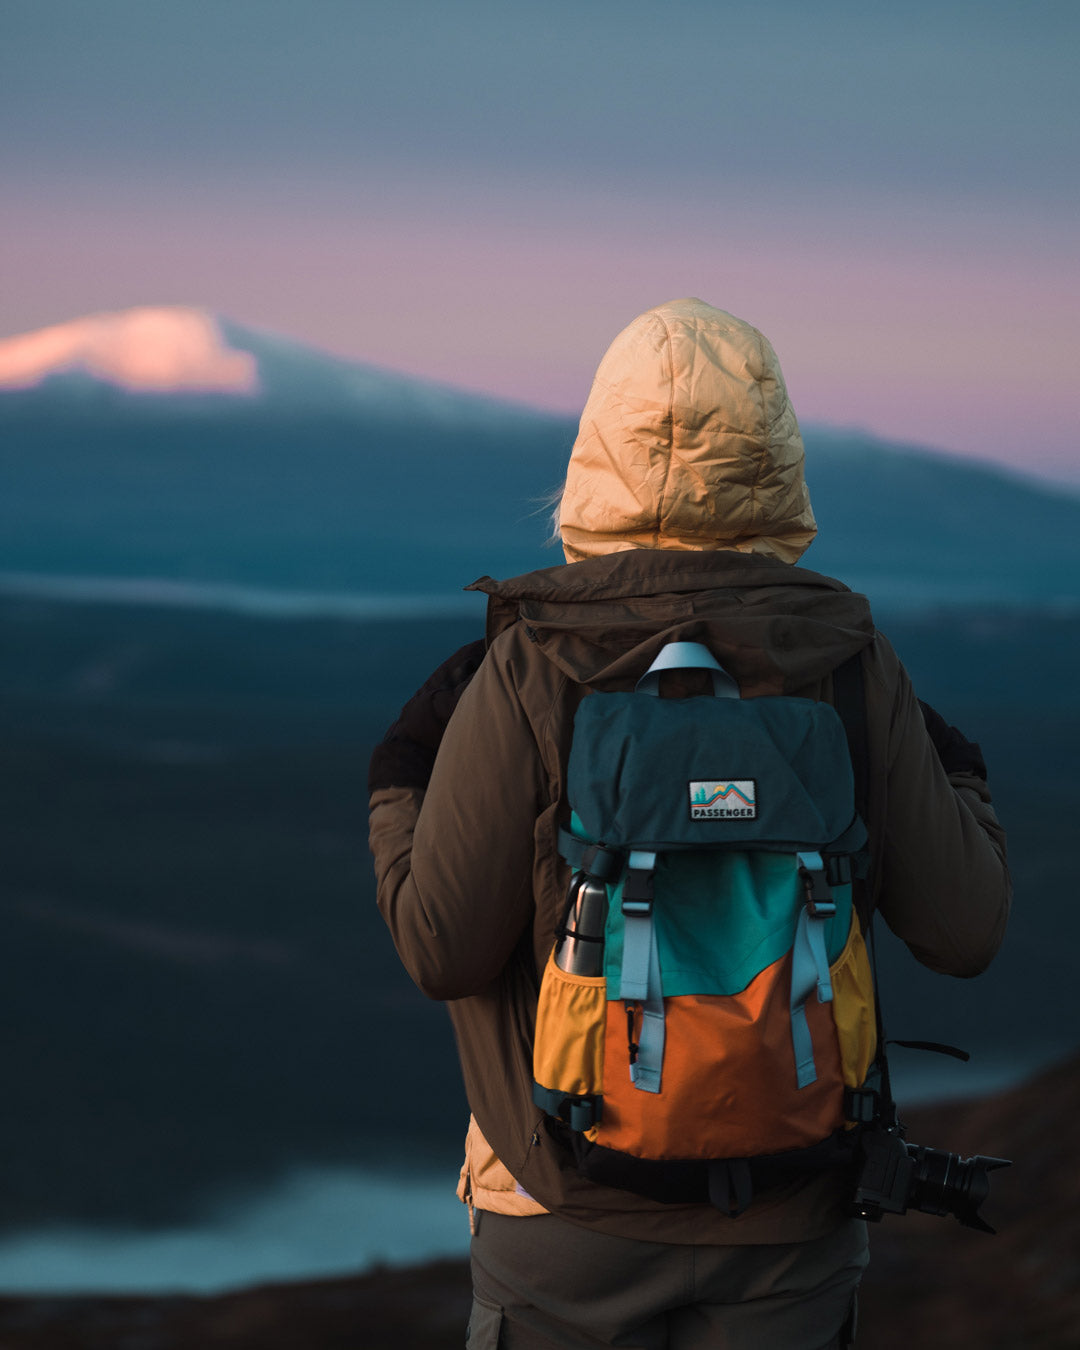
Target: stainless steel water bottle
(580,950)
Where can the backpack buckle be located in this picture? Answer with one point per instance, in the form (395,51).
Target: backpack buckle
(838,869)
(581,1111)
(862,1105)
(819,897)
(638,890)
(637,894)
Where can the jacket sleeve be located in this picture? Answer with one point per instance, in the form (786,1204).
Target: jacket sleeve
(454,864)
(945,886)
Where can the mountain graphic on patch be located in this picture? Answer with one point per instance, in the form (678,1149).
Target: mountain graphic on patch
(723,799)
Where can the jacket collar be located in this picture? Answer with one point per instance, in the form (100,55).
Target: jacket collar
(774,626)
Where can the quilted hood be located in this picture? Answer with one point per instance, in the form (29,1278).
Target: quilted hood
(688,441)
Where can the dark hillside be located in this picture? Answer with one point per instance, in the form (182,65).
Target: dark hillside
(935,1285)
(930,1284)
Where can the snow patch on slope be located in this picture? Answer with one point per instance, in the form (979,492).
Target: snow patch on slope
(152,350)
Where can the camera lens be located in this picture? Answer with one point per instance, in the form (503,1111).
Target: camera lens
(934,1179)
(943,1183)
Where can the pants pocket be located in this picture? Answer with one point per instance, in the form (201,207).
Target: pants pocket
(485,1325)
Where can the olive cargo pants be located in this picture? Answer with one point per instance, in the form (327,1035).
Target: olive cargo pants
(540,1283)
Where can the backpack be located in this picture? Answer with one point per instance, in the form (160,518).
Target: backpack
(730,1022)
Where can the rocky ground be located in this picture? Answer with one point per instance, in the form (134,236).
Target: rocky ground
(931,1284)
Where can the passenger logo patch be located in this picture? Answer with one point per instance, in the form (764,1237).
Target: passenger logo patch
(726,799)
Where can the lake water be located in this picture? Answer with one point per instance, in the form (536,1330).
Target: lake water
(315,1223)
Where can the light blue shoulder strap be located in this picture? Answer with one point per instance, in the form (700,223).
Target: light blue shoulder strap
(640,981)
(688,656)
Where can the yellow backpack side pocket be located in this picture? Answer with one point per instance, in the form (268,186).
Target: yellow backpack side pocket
(853,1008)
(568,1053)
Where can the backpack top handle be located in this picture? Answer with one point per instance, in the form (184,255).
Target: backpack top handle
(687,656)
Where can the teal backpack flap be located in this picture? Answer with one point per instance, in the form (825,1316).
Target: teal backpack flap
(707,773)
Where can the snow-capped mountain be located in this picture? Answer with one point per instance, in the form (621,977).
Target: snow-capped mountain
(186,358)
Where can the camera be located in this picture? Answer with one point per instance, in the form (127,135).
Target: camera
(895,1176)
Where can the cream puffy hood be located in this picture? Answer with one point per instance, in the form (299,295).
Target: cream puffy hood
(687,441)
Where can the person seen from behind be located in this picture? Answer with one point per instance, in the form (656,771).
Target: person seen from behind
(683,518)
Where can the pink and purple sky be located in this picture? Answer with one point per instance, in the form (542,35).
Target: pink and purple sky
(484,192)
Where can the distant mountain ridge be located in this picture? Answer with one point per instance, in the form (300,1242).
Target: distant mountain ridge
(270,465)
(189,360)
